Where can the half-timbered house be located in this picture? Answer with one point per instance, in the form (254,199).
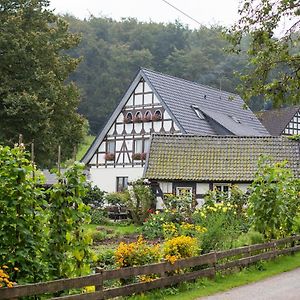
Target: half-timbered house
(196,164)
(283,121)
(158,103)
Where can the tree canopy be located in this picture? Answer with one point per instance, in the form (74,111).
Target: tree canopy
(113,51)
(272,28)
(35,99)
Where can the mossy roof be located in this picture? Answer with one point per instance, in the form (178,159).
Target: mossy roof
(216,158)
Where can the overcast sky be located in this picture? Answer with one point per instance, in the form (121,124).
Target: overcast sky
(207,12)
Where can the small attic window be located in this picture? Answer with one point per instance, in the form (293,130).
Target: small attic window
(235,119)
(157,115)
(198,112)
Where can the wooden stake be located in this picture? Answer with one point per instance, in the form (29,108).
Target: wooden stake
(58,159)
(20,139)
(74,153)
(32,158)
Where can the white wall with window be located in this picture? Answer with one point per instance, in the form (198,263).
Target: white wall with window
(106,178)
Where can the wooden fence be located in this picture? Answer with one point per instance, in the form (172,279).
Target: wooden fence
(201,266)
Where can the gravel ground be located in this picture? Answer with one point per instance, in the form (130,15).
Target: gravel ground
(284,286)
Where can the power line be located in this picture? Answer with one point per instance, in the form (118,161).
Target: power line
(182,12)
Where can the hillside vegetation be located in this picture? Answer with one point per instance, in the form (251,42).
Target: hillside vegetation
(113,51)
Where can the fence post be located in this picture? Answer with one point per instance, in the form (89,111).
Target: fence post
(293,244)
(163,272)
(214,265)
(99,286)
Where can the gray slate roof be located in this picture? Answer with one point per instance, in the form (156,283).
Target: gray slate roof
(221,109)
(216,158)
(276,120)
(220,106)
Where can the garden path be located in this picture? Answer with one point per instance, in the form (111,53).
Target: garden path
(283,286)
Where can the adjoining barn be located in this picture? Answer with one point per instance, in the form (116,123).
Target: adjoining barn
(181,164)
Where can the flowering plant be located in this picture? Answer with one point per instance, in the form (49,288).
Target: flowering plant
(136,254)
(180,247)
(5,280)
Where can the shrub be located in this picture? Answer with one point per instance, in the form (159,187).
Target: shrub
(68,243)
(139,201)
(273,200)
(99,216)
(106,259)
(180,247)
(136,254)
(98,236)
(296,225)
(23,232)
(192,230)
(179,205)
(118,198)
(170,230)
(249,238)
(94,196)
(152,227)
(223,225)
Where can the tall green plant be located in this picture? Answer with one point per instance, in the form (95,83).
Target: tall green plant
(68,243)
(23,228)
(273,200)
(139,200)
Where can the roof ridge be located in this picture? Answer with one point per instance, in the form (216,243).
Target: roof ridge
(219,136)
(189,81)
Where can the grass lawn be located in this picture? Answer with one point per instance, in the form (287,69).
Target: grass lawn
(83,147)
(205,287)
(112,232)
(118,228)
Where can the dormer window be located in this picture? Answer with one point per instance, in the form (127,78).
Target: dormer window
(157,115)
(198,112)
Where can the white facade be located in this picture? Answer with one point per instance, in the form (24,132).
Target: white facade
(106,178)
(200,189)
(124,144)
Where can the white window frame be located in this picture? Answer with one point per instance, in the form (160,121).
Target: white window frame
(138,143)
(178,188)
(111,145)
(222,185)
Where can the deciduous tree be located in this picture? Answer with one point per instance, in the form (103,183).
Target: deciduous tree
(35,99)
(274,52)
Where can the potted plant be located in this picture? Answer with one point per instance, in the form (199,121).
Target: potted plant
(147,117)
(109,156)
(136,156)
(137,119)
(156,117)
(127,120)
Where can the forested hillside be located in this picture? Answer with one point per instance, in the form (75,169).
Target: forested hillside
(113,51)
